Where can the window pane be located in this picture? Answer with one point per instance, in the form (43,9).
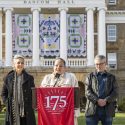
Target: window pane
(111,33)
(112,60)
(112,2)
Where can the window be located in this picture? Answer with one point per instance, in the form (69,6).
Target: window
(111,33)
(112,60)
(112,2)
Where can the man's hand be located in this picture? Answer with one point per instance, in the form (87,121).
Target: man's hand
(101,102)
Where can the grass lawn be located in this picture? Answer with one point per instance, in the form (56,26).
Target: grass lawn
(118,120)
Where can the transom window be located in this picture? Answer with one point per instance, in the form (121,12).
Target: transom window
(111,33)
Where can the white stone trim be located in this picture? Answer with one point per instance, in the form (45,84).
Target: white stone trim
(35,8)
(52,3)
(63,8)
(115,12)
(115,17)
(90,8)
(8,8)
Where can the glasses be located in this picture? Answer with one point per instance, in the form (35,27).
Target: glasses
(20,63)
(100,64)
(58,66)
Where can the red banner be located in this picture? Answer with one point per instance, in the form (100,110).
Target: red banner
(55,106)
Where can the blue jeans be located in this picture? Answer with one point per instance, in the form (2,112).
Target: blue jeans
(94,120)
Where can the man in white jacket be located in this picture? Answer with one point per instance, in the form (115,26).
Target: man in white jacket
(61,78)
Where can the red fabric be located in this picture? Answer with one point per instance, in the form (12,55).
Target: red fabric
(55,106)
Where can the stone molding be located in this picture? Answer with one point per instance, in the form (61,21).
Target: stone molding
(35,8)
(63,8)
(90,8)
(8,8)
(116,12)
(52,3)
(115,17)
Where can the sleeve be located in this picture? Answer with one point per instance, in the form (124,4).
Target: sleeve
(90,95)
(31,86)
(4,93)
(32,82)
(115,88)
(74,80)
(44,81)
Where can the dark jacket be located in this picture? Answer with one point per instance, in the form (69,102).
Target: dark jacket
(92,94)
(7,95)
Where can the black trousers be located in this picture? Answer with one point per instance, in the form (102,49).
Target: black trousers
(23,121)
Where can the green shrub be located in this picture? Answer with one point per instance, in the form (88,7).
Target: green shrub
(121,105)
(2,108)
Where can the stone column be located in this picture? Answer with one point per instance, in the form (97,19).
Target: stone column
(63,33)
(8,36)
(101,32)
(35,56)
(90,37)
(0,35)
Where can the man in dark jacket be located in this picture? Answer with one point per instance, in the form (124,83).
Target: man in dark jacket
(17,95)
(101,90)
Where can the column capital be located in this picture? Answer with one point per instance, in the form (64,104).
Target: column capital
(102,8)
(90,8)
(63,8)
(35,8)
(5,9)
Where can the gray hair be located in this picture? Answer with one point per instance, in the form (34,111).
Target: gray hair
(17,57)
(62,60)
(100,57)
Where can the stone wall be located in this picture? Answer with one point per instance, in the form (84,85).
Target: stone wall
(120,5)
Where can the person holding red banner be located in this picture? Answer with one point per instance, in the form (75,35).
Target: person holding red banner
(61,78)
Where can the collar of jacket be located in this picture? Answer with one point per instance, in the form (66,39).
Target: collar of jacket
(25,75)
(96,73)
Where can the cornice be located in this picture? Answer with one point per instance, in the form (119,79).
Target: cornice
(52,3)
(116,12)
(115,16)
